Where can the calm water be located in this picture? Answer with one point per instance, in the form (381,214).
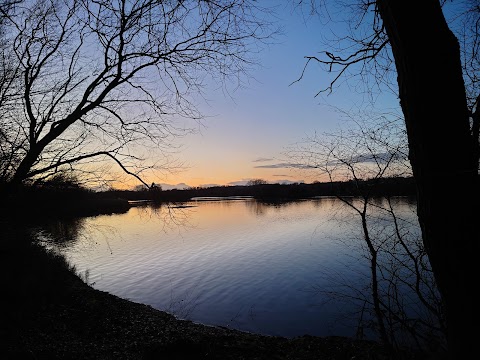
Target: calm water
(234,263)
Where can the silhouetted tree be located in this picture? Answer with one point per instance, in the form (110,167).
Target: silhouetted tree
(372,149)
(90,81)
(255,182)
(442,124)
(369,146)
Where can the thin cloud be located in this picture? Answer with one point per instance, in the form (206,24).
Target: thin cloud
(284,166)
(239,182)
(381,158)
(377,158)
(263,160)
(280,181)
(209,185)
(179,186)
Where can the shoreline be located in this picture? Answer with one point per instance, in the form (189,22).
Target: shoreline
(53,314)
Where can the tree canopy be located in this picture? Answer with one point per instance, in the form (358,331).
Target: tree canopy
(87,81)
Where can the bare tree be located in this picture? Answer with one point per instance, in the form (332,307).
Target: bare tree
(87,81)
(8,77)
(255,182)
(368,146)
(399,302)
(433,71)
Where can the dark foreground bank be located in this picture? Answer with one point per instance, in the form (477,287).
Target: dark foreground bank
(50,313)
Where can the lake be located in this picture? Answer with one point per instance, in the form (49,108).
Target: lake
(286,269)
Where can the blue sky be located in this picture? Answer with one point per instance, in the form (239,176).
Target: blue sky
(245,135)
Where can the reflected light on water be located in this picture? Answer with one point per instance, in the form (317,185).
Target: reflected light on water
(234,263)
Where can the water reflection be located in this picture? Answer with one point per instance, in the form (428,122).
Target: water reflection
(281,269)
(62,232)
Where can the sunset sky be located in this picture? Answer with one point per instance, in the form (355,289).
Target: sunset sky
(245,135)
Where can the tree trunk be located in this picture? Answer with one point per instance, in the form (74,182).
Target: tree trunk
(433,100)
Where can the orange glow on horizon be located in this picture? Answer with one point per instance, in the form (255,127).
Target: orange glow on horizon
(130,183)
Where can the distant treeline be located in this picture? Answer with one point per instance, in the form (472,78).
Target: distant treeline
(398,186)
(67,198)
